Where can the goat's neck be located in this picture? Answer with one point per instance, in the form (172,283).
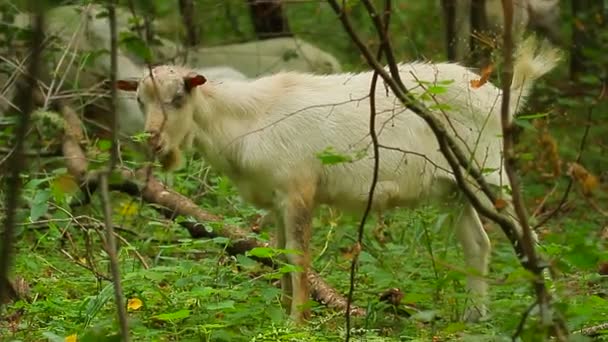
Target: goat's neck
(225,111)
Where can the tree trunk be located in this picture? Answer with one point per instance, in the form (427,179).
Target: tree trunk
(268,19)
(449,16)
(187,10)
(480,54)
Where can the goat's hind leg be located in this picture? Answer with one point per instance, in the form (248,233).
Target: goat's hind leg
(477,248)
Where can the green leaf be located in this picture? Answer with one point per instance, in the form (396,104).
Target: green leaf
(526,156)
(524,124)
(246,262)
(436,90)
(532,116)
(39,205)
(330,157)
(136,46)
(220,240)
(227,304)
(104,145)
(96,303)
(488,170)
(287,268)
(262,252)
(52,337)
(177,315)
(440,106)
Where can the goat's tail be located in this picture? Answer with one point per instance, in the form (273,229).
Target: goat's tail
(532,61)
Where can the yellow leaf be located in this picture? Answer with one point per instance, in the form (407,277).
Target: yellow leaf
(128,208)
(500,203)
(485,76)
(599,19)
(65,183)
(134,304)
(71,338)
(587,181)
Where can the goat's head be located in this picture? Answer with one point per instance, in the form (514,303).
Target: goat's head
(166,96)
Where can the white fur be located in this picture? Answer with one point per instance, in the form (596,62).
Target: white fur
(262,57)
(264,134)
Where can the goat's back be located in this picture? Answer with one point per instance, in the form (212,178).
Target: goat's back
(308,114)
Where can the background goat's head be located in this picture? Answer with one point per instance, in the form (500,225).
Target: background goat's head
(166,99)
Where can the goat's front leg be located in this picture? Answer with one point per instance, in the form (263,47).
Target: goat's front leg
(286,287)
(297,210)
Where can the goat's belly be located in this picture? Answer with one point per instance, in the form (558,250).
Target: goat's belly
(352,195)
(256,195)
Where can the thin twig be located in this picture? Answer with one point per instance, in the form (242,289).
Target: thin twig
(384,47)
(113,91)
(137,254)
(17,162)
(542,203)
(85,266)
(103,181)
(522,321)
(111,250)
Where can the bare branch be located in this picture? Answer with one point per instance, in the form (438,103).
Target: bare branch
(187,10)
(384,47)
(110,245)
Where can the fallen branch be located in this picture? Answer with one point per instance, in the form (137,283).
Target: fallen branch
(153,191)
(593,330)
(142,183)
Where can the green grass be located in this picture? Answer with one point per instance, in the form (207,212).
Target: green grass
(194,291)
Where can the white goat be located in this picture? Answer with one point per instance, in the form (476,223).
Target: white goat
(264,134)
(260,57)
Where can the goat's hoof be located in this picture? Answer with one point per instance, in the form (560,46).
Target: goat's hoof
(474,314)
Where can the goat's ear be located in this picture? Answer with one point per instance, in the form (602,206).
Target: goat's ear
(193,80)
(127,85)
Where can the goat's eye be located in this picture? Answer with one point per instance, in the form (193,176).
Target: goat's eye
(140,104)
